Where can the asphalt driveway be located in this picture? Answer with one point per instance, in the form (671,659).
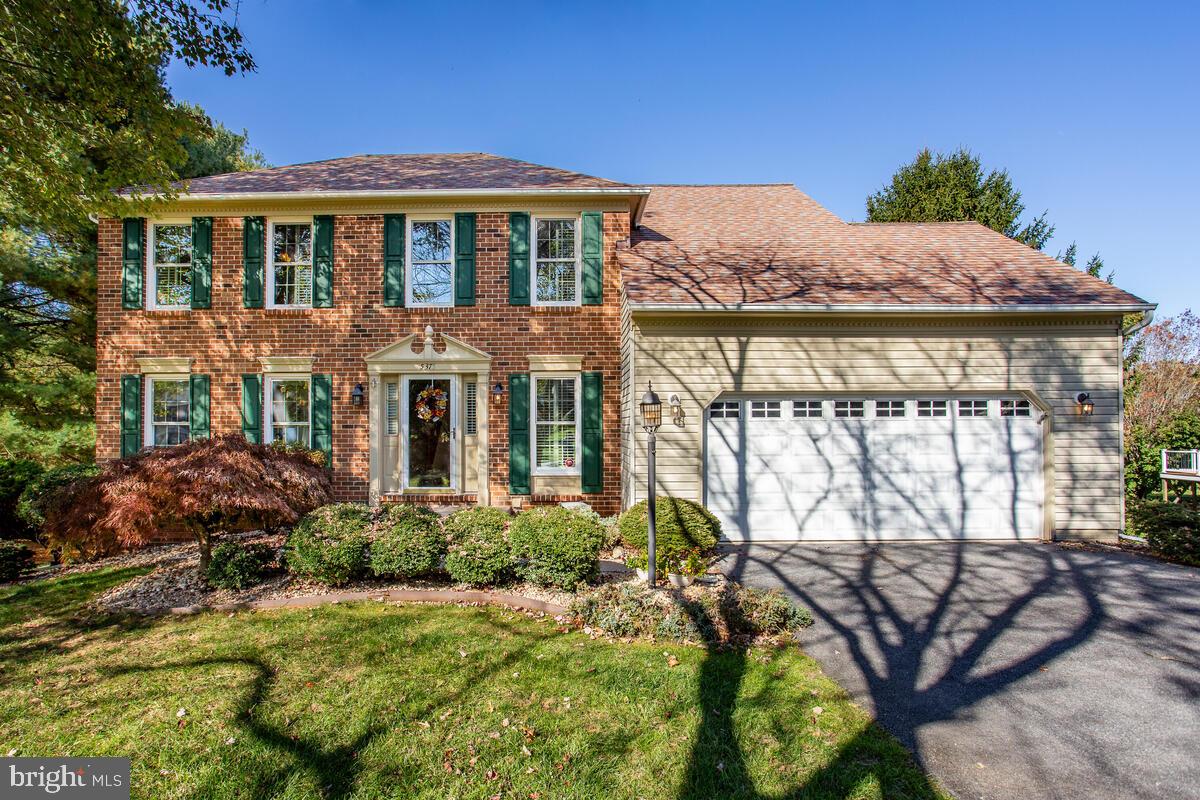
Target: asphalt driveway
(1011,670)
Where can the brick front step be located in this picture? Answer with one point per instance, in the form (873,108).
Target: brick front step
(434,499)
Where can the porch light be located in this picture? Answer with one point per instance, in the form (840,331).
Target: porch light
(676,410)
(357,395)
(651,408)
(498,390)
(1085,404)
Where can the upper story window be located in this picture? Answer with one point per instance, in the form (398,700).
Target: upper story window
(288,409)
(290,273)
(430,256)
(168,411)
(170,272)
(556,262)
(555,428)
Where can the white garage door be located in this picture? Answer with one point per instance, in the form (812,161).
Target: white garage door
(874,469)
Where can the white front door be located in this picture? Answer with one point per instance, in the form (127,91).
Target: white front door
(428,433)
(874,468)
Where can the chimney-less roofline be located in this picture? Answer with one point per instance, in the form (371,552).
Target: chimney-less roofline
(632,191)
(895,308)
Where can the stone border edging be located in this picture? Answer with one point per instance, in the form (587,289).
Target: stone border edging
(445,596)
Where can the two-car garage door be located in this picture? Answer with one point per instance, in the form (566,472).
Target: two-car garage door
(874,468)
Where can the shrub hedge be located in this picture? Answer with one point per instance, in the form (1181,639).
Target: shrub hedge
(52,491)
(330,544)
(1172,530)
(16,560)
(407,541)
(15,475)
(237,565)
(680,526)
(478,552)
(556,546)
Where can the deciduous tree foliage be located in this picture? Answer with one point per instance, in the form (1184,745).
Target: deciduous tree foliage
(211,486)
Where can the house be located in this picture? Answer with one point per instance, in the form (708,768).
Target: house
(464,328)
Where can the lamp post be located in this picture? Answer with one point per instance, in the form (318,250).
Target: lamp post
(651,408)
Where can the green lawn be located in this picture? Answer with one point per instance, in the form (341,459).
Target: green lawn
(371,700)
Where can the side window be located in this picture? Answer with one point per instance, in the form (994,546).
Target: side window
(290,274)
(391,407)
(765,409)
(725,409)
(170,268)
(889,408)
(806,408)
(168,411)
(556,262)
(849,408)
(431,254)
(932,408)
(972,408)
(1015,408)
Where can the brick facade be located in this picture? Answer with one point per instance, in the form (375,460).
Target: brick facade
(228,339)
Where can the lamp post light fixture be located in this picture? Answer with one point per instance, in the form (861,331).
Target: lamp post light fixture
(1086,406)
(357,395)
(651,408)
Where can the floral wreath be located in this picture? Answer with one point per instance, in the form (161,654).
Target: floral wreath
(431,404)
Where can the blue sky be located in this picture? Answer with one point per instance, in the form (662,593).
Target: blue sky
(1092,107)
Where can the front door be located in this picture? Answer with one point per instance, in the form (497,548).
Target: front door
(428,433)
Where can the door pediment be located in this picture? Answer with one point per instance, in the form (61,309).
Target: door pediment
(415,353)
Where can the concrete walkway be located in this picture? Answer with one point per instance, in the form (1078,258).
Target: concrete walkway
(1011,670)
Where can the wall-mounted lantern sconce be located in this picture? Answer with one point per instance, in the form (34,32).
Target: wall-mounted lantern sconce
(357,395)
(498,391)
(677,415)
(1085,405)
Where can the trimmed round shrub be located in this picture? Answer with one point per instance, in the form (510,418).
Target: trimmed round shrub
(16,559)
(15,475)
(680,526)
(329,545)
(478,551)
(407,541)
(555,546)
(237,565)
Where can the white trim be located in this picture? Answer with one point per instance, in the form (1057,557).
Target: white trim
(535,470)
(148,403)
(624,191)
(533,277)
(895,308)
(287,365)
(154,365)
(452,405)
(312,248)
(151,266)
(409,265)
(268,406)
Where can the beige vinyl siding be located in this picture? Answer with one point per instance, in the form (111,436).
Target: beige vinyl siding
(1048,361)
(628,409)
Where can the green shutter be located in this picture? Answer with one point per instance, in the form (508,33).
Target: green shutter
(202,262)
(198,419)
(592,474)
(131,414)
(464,259)
(518,434)
(393,260)
(518,259)
(252,396)
(132,262)
(322,416)
(253,241)
(593,258)
(322,290)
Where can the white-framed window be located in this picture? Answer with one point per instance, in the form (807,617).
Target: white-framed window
(391,407)
(1015,408)
(972,408)
(849,408)
(725,409)
(430,276)
(169,265)
(556,264)
(168,410)
(555,428)
(806,408)
(932,408)
(289,409)
(765,409)
(889,408)
(290,267)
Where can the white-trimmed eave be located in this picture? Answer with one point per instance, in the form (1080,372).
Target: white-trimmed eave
(891,308)
(399,194)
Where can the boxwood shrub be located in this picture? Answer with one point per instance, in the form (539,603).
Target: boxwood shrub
(407,541)
(1172,530)
(16,559)
(237,565)
(330,544)
(680,526)
(478,551)
(555,546)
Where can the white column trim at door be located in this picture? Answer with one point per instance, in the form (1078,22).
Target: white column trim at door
(483,399)
(375,429)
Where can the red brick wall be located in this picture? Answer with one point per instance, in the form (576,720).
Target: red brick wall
(227,340)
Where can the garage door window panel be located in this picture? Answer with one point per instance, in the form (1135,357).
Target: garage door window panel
(932,408)
(766,409)
(889,408)
(725,409)
(806,408)
(1015,408)
(849,408)
(972,408)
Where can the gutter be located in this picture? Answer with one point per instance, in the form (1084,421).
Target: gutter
(1147,318)
(895,308)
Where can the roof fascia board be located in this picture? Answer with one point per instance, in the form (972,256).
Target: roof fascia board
(633,191)
(888,308)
